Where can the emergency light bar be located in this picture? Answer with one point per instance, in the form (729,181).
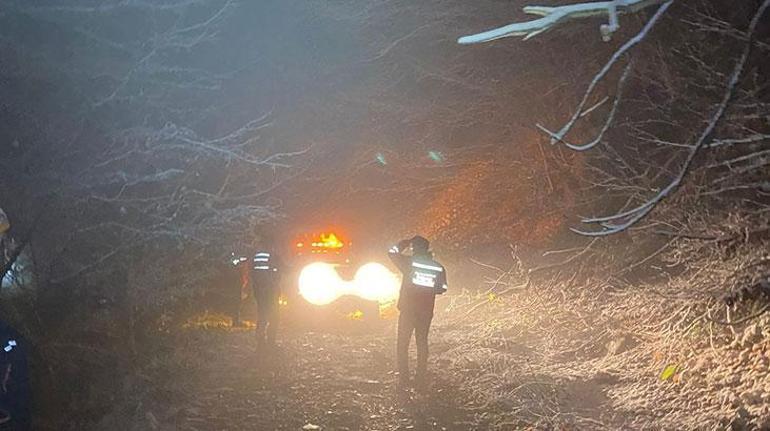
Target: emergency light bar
(320,243)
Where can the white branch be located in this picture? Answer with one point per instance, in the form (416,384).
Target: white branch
(607,122)
(579,113)
(753,139)
(553,16)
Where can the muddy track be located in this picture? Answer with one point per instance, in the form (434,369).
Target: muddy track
(325,380)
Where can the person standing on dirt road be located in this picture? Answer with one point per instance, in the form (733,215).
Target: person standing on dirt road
(266,273)
(239,281)
(423,279)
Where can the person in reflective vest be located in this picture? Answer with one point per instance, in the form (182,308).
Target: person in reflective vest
(14,381)
(266,273)
(423,279)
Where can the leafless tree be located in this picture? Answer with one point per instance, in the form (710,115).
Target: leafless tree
(723,101)
(124,180)
(147,171)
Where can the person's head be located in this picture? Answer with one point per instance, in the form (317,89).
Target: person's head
(420,245)
(268,239)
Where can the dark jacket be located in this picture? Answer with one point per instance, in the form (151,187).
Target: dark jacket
(14,381)
(267,269)
(423,279)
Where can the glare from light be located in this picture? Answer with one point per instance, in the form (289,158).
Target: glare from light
(320,284)
(375,282)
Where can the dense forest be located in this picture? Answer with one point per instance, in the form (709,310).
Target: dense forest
(596,181)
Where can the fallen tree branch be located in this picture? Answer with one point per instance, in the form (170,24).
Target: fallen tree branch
(564,262)
(553,16)
(628,218)
(579,111)
(762,311)
(746,235)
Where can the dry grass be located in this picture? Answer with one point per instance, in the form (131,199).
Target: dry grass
(593,355)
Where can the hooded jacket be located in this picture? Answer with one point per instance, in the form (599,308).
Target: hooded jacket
(423,278)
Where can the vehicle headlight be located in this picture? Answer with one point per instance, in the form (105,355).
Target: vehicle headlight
(320,284)
(375,282)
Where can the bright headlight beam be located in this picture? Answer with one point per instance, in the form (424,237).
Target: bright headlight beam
(320,284)
(374,282)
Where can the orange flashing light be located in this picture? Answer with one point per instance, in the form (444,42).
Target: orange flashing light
(320,243)
(330,240)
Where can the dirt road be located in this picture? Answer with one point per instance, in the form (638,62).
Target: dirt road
(314,380)
(526,361)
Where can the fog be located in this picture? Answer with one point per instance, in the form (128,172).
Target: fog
(564,180)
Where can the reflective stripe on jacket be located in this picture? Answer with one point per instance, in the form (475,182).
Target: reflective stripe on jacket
(423,278)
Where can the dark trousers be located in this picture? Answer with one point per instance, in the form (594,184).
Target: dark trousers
(419,324)
(267,312)
(14,376)
(237,304)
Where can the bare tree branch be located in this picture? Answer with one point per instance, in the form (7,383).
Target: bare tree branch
(632,216)
(607,122)
(579,113)
(553,16)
